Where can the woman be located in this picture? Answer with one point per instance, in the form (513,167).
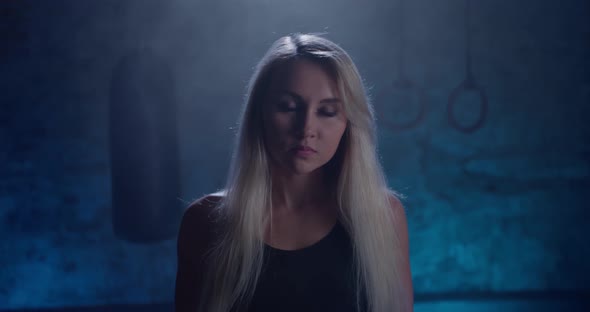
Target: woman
(306,221)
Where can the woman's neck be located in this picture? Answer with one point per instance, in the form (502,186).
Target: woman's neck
(299,192)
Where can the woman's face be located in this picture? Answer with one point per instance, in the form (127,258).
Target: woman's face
(303,110)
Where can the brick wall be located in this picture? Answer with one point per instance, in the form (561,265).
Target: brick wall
(499,209)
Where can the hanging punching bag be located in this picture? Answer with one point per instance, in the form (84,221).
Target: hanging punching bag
(144,149)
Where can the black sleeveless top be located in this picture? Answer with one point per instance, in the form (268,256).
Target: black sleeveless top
(316,278)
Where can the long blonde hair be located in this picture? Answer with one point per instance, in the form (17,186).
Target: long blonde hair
(359,188)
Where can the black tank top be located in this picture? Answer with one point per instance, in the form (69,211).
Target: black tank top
(316,278)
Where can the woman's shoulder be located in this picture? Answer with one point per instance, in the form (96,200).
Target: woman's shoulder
(400,221)
(195,237)
(201,209)
(395,201)
(198,222)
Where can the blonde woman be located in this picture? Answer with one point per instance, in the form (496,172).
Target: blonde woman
(306,221)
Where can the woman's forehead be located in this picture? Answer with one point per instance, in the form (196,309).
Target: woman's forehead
(303,77)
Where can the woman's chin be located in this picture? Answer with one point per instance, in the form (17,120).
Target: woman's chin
(304,168)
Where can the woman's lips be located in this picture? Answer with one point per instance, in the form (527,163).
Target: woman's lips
(304,148)
(304,151)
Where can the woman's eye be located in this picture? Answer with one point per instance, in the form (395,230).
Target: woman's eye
(292,106)
(328,113)
(287,106)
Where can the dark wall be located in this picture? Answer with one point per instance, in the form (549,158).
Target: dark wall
(497,208)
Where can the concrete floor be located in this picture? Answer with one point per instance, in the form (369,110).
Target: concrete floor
(537,305)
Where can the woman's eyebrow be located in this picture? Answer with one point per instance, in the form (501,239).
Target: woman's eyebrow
(331,101)
(299,98)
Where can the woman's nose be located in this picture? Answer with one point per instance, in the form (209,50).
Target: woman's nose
(306,124)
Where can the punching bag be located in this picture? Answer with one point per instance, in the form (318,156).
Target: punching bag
(144,149)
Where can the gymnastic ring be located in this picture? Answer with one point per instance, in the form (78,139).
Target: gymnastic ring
(483,100)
